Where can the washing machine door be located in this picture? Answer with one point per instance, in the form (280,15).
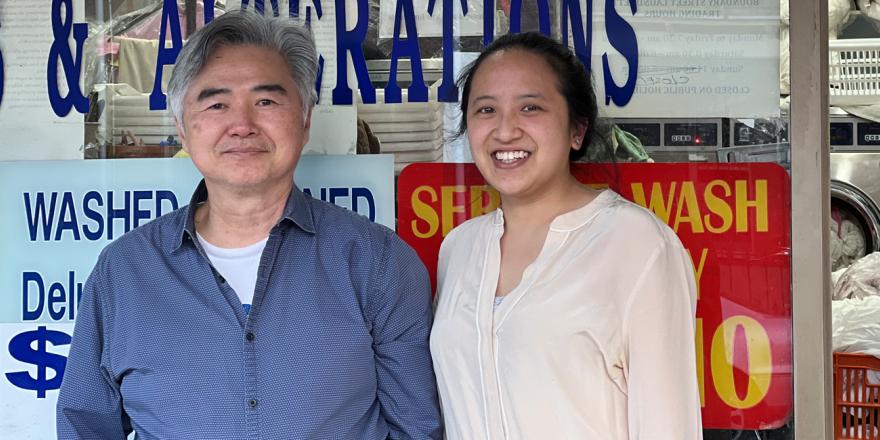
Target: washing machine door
(855,216)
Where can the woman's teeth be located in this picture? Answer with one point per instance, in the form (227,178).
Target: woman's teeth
(510,156)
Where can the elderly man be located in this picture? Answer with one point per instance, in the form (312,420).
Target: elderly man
(255,312)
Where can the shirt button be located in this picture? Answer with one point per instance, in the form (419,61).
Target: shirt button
(250,336)
(252,403)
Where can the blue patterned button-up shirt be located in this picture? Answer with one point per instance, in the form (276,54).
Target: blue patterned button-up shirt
(335,345)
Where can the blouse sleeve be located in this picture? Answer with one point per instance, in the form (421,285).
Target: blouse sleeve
(663,399)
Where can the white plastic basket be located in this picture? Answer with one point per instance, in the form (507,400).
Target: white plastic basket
(854,71)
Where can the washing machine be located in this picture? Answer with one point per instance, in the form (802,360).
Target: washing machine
(677,140)
(855,189)
(757,140)
(712,139)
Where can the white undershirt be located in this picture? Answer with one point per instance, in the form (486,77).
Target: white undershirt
(237,265)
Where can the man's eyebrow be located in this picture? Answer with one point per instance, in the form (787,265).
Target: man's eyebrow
(277,88)
(210,92)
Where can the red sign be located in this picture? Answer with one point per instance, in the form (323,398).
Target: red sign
(734,220)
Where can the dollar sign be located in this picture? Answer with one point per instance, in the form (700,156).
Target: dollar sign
(20,348)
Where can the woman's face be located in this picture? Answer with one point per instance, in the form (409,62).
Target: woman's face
(518,125)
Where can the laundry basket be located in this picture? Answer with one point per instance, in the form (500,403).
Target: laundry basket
(856,401)
(854,71)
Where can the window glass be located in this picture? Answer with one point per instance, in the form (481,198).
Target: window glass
(694,96)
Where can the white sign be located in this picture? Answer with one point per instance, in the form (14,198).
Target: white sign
(431,25)
(26,117)
(696,58)
(58,215)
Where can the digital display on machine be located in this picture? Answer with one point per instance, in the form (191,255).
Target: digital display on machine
(647,133)
(869,133)
(841,133)
(690,134)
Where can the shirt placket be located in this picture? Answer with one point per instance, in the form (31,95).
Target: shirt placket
(496,319)
(487,344)
(249,351)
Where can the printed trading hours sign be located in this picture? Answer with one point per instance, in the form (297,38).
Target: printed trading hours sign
(734,220)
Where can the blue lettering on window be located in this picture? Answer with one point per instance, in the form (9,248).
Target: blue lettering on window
(67,218)
(209,11)
(448,91)
(27,279)
(293,12)
(50,215)
(543,16)
(70,63)
(367,195)
(93,215)
(408,47)
(37,215)
(488,22)
(622,37)
(166,55)
(348,198)
(123,213)
(2,69)
(583,41)
(260,6)
(350,42)
(58,300)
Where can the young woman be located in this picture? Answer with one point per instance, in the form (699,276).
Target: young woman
(568,313)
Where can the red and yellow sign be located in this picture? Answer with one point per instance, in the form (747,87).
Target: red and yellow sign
(734,220)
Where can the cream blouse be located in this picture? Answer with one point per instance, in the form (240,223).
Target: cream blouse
(597,341)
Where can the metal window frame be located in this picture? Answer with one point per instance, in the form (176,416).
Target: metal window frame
(810,207)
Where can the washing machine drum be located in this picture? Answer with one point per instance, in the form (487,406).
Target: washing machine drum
(855,225)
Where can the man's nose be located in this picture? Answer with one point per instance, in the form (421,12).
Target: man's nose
(242,121)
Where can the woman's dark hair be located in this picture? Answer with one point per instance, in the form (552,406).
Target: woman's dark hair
(572,79)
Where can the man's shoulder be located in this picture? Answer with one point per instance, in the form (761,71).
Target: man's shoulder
(160,233)
(342,230)
(344,223)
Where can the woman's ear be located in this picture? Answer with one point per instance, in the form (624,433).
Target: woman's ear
(577,135)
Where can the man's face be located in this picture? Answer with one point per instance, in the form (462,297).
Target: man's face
(243,121)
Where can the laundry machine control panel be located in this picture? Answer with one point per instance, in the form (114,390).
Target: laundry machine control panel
(745,132)
(690,134)
(677,140)
(849,133)
(675,134)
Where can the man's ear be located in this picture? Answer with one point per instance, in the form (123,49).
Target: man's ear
(307,125)
(181,134)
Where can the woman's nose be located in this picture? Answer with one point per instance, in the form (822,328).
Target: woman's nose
(508,127)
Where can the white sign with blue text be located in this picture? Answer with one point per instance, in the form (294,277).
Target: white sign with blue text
(58,215)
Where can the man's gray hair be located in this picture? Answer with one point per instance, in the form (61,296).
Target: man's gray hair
(292,41)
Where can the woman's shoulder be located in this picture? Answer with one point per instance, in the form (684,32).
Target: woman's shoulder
(635,223)
(473,227)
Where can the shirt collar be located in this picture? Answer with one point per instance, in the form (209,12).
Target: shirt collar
(297,210)
(573,219)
